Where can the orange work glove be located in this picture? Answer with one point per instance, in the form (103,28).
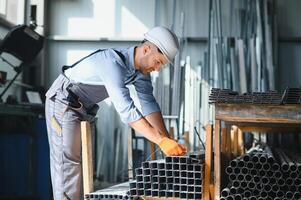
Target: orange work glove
(171,147)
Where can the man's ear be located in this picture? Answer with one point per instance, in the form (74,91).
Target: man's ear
(146,48)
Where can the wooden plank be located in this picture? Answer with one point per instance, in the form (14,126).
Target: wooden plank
(224,158)
(172,132)
(224,140)
(211,190)
(266,127)
(186,139)
(208,162)
(240,143)
(130,153)
(271,129)
(217,160)
(289,114)
(228,143)
(234,138)
(153,150)
(87,161)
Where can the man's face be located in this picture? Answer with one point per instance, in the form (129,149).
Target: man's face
(152,59)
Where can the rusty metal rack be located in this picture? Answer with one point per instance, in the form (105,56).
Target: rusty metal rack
(292,96)
(289,96)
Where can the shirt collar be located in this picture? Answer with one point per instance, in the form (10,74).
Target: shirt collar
(131,62)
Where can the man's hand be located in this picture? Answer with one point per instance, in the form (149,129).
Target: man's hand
(171,147)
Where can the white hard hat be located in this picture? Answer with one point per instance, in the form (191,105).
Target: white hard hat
(165,40)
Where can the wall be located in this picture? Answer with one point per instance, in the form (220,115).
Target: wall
(290,44)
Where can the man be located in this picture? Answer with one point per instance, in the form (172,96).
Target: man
(73,96)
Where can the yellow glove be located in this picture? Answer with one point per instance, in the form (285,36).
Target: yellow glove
(171,147)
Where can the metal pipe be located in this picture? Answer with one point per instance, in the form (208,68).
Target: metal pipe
(233,190)
(232,177)
(229,170)
(282,158)
(266,166)
(297,195)
(280,194)
(289,195)
(225,192)
(244,170)
(240,177)
(250,165)
(247,177)
(270,155)
(238,197)
(275,188)
(247,193)
(233,163)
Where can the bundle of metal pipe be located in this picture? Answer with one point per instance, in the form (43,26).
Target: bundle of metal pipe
(289,96)
(179,177)
(264,173)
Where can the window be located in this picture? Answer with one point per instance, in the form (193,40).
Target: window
(12,11)
(3,8)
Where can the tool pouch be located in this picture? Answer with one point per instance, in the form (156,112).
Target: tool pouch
(72,98)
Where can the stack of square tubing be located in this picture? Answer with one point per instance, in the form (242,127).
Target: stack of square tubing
(179,177)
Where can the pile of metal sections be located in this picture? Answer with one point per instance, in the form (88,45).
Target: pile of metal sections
(289,96)
(179,177)
(264,173)
(115,192)
(170,177)
(292,96)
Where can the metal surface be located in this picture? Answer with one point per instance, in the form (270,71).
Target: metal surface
(172,177)
(289,96)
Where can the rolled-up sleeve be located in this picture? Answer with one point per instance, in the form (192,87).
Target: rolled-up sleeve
(144,88)
(112,76)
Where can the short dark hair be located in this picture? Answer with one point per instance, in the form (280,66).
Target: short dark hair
(145,40)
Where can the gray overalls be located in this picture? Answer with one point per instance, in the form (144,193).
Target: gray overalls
(67,104)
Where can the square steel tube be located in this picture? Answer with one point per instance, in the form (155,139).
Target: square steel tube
(175,159)
(155,193)
(169,173)
(147,178)
(155,179)
(176,194)
(139,178)
(154,172)
(145,165)
(183,181)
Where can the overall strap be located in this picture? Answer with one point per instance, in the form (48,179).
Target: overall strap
(65,67)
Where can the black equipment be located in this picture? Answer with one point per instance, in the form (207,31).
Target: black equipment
(24,44)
